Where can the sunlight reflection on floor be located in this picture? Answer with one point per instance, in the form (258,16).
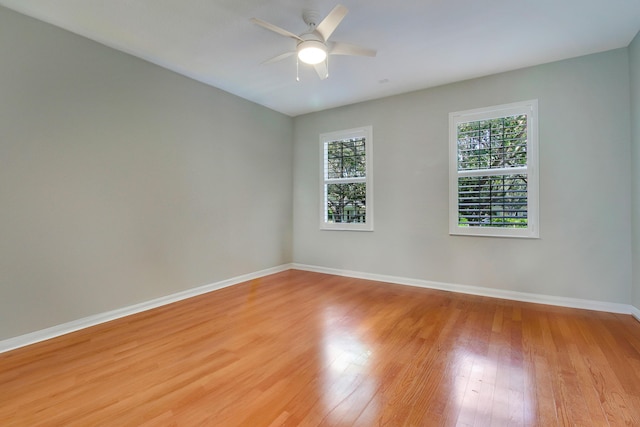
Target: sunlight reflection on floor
(490,389)
(348,380)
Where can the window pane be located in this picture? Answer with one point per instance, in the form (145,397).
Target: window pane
(496,143)
(492,201)
(346,158)
(346,203)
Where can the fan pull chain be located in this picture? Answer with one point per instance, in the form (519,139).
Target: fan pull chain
(326,64)
(297,69)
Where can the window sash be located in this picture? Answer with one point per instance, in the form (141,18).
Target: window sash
(492,143)
(347,159)
(345,210)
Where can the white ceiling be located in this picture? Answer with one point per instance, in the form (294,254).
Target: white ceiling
(420,43)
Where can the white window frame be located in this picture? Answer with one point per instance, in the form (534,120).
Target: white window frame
(530,108)
(365,132)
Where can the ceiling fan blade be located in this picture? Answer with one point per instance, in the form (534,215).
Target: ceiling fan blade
(275,28)
(339,48)
(331,22)
(279,57)
(321,69)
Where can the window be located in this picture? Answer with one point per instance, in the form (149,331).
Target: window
(493,181)
(347,193)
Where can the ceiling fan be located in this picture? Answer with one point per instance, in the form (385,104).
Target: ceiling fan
(313,46)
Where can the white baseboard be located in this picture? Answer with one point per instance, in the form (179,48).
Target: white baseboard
(477,290)
(75,325)
(65,328)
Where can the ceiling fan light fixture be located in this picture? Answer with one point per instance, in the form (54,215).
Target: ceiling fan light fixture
(312,52)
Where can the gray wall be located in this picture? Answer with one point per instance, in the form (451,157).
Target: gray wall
(634,55)
(121,182)
(585,182)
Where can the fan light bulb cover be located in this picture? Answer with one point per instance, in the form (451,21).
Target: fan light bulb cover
(312,52)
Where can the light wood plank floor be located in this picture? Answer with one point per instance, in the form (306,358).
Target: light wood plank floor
(307,349)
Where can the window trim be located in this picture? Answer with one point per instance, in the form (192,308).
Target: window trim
(367,133)
(530,108)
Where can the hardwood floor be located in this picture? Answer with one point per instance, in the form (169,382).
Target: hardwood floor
(306,349)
